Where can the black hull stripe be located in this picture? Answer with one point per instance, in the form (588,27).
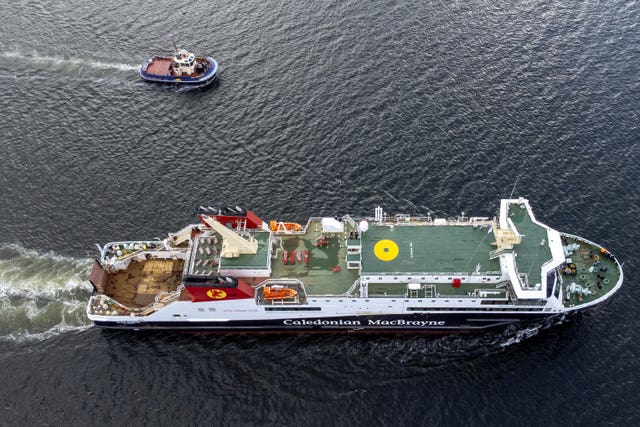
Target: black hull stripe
(371,324)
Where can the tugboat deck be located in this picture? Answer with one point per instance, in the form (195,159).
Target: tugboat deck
(180,68)
(159,66)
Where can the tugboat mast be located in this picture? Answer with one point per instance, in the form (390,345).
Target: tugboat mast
(173,41)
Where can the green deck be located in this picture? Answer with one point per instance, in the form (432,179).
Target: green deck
(594,271)
(436,249)
(259,260)
(422,248)
(531,253)
(320,275)
(441,289)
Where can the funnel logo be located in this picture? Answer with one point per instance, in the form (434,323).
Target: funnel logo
(216,294)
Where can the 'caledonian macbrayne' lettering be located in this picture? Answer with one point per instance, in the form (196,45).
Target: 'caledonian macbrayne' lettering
(398,322)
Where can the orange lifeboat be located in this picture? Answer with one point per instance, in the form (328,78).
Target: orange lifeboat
(280,226)
(279,292)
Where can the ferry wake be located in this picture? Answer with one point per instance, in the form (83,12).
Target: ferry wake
(234,272)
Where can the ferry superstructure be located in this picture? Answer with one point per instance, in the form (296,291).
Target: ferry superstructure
(233,272)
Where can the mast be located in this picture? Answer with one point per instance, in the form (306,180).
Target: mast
(173,41)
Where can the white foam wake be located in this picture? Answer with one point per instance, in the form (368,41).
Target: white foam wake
(41,294)
(68,63)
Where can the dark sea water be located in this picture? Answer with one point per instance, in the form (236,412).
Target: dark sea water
(322,107)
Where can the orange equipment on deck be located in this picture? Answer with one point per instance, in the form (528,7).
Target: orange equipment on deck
(279,292)
(280,226)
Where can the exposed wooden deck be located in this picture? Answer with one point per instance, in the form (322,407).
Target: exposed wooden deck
(139,284)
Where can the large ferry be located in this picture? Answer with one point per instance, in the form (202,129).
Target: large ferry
(234,272)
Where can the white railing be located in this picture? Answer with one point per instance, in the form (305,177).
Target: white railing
(131,249)
(347,218)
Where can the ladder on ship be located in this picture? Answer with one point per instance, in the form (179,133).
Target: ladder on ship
(241,225)
(430,291)
(347,218)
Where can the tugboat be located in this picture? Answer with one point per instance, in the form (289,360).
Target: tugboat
(183,68)
(232,272)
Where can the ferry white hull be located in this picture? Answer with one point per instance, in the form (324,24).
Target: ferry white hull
(384,316)
(404,275)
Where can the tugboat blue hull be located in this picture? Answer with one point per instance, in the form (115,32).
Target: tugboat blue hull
(208,76)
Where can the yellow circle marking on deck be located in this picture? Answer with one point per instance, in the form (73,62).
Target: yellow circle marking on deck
(386,250)
(216,294)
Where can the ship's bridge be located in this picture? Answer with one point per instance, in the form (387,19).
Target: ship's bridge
(538,252)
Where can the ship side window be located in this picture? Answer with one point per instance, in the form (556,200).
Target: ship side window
(551,282)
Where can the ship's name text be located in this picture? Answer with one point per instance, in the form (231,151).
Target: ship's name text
(398,322)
